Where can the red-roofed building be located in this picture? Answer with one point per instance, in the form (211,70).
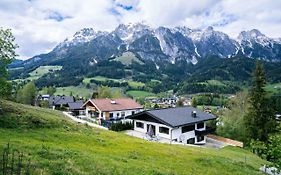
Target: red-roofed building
(110,109)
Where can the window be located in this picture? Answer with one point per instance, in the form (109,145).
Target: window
(133,112)
(164,130)
(118,114)
(188,128)
(122,114)
(200,125)
(200,138)
(139,125)
(110,115)
(190,141)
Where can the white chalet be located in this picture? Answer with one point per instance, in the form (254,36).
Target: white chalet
(182,124)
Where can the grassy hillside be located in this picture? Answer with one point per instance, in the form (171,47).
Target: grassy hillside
(59,146)
(127,58)
(38,72)
(75,90)
(138,94)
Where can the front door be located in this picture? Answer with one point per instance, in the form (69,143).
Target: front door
(150,129)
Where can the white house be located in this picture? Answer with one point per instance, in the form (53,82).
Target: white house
(183,124)
(111,109)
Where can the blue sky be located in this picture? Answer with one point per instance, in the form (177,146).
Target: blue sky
(41,24)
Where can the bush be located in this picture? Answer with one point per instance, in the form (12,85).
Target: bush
(119,126)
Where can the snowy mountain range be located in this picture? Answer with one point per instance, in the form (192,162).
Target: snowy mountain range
(158,44)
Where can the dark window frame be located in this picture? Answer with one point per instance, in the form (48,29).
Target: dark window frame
(187,128)
(200,138)
(111,115)
(164,130)
(140,125)
(199,125)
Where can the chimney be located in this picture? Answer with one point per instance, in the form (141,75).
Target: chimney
(193,114)
(113,102)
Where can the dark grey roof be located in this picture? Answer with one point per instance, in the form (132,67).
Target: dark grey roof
(176,116)
(60,100)
(75,105)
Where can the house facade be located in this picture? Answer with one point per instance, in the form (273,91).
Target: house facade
(185,124)
(111,109)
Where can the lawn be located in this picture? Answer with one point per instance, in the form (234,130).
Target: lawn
(56,145)
(137,94)
(75,90)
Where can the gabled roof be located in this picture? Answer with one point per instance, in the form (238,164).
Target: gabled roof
(118,104)
(60,100)
(75,105)
(175,117)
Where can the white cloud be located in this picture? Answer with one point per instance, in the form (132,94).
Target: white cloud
(36,32)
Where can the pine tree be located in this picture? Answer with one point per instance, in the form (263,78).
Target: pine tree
(260,120)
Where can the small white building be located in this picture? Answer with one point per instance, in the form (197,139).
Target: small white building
(111,109)
(183,124)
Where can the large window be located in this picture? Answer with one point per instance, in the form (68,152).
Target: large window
(200,138)
(187,128)
(110,115)
(190,141)
(200,125)
(164,130)
(139,125)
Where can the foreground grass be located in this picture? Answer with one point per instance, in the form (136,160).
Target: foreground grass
(59,146)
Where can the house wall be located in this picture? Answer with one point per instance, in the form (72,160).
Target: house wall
(157,125)
(175,134)
(127,113)
(183,137)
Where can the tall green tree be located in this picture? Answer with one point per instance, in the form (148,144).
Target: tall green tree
(7,54)
(260,120)
(27,94)
(194,102)
(231,121)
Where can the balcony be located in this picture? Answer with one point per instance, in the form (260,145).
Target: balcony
(208,130)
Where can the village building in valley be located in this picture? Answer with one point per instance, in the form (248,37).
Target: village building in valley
(183,124)
(111,109)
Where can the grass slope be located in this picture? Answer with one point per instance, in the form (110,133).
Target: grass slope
(138,94)
(127,58)
(58,146)
(38,73)
(75,90)
(133,84)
